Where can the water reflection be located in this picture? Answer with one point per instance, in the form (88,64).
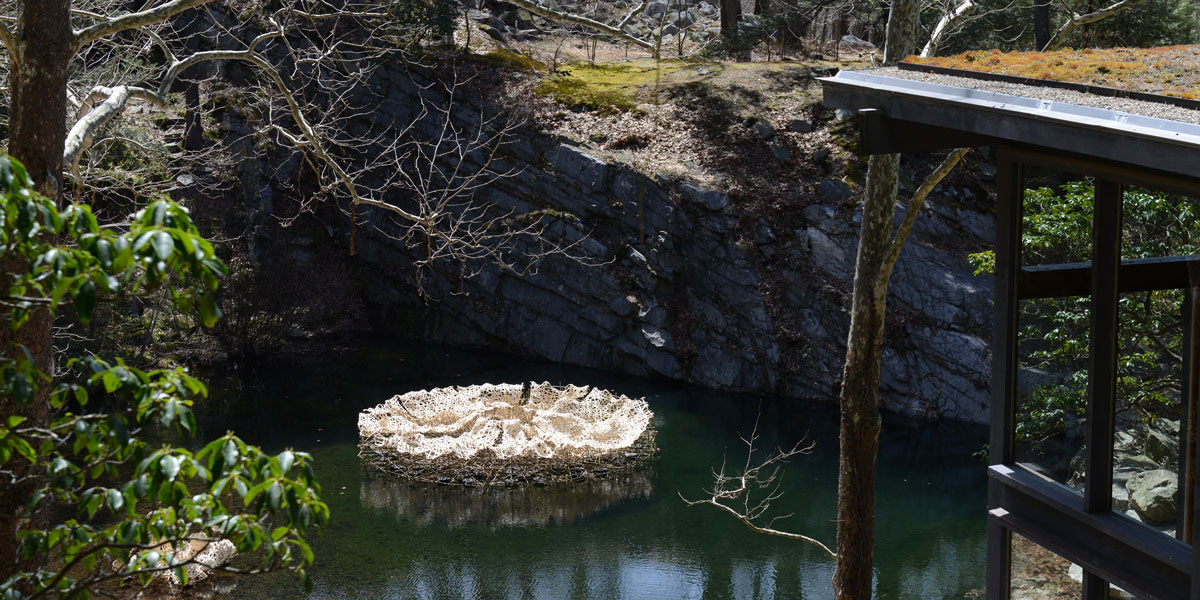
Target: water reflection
(496,506)
(629,536)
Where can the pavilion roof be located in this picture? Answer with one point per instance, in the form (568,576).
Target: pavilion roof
(1172,71)
(914,110)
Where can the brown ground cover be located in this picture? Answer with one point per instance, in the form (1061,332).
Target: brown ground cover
(1169,70)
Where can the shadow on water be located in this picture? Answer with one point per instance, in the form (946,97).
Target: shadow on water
(628,536)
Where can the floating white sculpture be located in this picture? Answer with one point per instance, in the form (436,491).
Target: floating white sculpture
(505,434)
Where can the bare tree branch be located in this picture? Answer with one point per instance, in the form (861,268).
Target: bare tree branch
(422,180)
(764,475)
(1077,20)
(637,10)
(249,55)
(142,18)
(9,41)
(114,100)
(564,17)
(948,19)
(914,207)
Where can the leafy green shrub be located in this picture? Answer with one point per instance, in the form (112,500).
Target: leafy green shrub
(123,496)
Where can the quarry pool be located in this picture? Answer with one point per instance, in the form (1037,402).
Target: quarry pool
(627,536)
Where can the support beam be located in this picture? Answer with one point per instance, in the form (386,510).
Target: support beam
(1091,166)
(1011,190)
(1132,556)
(1102,353)
(1191,398)
(880,135)
(1187,424)
(1011,186)
(1135,275)
(1102,361)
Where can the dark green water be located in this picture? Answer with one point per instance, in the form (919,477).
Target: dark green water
(626,537)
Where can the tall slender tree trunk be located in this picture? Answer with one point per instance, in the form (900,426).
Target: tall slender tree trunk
(1041,23)
(731,13)
(38,128)
(860,418)
(38,116)
(859,397)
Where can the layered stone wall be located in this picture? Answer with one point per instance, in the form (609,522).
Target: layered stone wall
(684,282)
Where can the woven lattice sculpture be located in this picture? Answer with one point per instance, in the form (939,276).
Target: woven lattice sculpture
(506,434)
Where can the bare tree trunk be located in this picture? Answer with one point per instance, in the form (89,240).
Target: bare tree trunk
(39,91)
(903,26)
(944,25)
(38,73)
(731,13)
(762,7)
(1041,23)
(859,400)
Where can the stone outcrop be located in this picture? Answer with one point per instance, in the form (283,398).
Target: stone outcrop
(1145,457)
(1154,494)
(676,280)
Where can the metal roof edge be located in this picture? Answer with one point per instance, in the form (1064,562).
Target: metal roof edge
(1174,133)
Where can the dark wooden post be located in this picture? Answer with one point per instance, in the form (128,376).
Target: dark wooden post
(1187,422)
(1011,191)
(1102,361)
(1191,395)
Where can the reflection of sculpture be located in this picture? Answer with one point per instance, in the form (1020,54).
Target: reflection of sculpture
(495,507)
(506,434)
(199,556)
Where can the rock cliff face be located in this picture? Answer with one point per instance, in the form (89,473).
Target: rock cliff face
(686,283)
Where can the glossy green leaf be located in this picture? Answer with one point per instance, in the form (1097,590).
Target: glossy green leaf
(93,505)
(285,459)
(114,499)
(85,301)
(209,312)
(275,495)
(163,245)
(22,447)
(170,466)
(230,454)
(21,388)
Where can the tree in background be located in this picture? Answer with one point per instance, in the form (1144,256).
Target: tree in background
(1042,24)
(731,14)
(878,250)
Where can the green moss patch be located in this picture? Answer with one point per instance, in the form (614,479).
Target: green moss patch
(507,59)
(607,87)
